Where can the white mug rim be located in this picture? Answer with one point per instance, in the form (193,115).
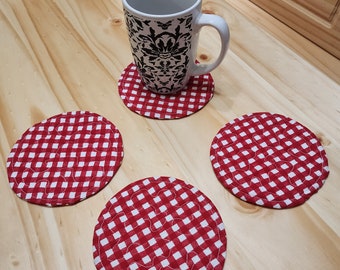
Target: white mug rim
(155,16)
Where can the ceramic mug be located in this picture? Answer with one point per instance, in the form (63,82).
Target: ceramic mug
(164,38)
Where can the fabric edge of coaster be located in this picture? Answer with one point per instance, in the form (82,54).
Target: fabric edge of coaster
(299,202)
(223,252)
(115,168)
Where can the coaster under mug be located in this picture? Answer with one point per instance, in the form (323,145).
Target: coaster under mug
(198,92)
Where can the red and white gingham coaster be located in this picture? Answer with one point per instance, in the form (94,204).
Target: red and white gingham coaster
(65,159)
(159,223)
(138,99)
(269,160)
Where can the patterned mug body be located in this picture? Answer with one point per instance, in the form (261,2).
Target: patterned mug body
(164,36)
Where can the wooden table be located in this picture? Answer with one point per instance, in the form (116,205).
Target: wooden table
(66,55)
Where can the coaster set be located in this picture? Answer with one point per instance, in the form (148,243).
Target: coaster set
(269,160)
(65,159)
(138,99)
(159,223)
(265,159)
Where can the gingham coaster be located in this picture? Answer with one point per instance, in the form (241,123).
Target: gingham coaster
(65,159)
(138,99)
(159,223)
(269,160)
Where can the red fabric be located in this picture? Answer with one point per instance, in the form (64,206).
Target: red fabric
(159,223)
(65,159)
(138,99)
(269,160)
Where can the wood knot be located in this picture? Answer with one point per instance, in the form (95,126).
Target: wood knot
(322,138)
(208,11)
(204,57)
(116,21)
(14,260)
(245,207)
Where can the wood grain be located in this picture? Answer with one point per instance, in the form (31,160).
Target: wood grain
(317,20)
(325,9)
(65,55)
(311,52)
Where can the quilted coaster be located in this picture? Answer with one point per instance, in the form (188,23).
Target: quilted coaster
(159,223)
(269,160)
(65,159)
(138,99)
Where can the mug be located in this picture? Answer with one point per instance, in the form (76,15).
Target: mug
(163,36)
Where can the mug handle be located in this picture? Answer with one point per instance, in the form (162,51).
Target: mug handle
(222,28)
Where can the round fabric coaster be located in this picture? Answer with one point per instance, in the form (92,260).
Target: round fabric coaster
(269,160)
(65,159)
(159,223)
(138,99)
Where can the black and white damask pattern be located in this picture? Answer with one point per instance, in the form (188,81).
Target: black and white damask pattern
(161,51)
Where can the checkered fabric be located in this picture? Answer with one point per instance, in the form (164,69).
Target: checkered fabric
(65,159)
(138,99)
(269,160)
(159,223)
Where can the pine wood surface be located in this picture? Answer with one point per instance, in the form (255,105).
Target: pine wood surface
(317,20)
(65,55)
